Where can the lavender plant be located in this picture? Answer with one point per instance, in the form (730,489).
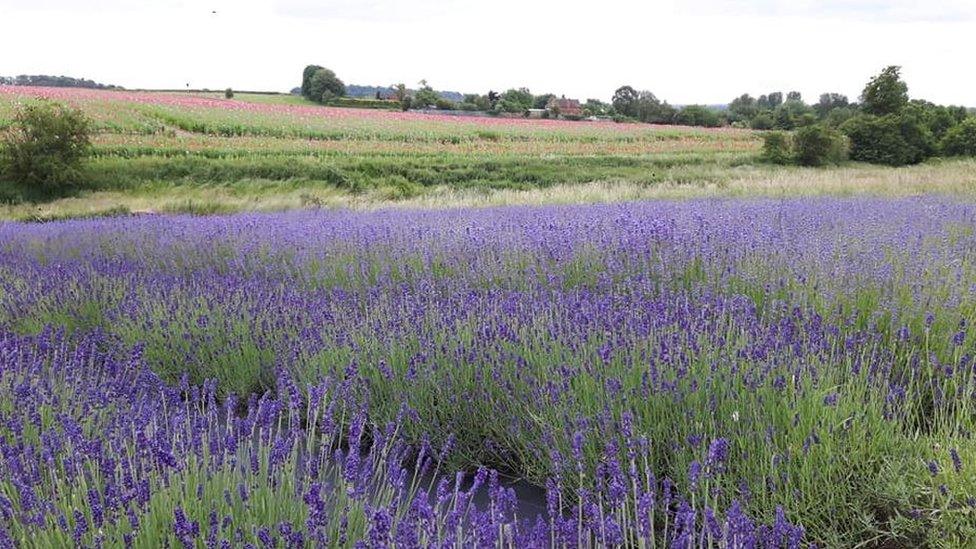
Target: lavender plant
(693,374)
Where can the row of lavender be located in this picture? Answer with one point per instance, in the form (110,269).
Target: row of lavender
(100,452)
(664,370)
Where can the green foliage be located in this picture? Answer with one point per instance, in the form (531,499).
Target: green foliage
(743,108)
(886,93)
(830,102)
(698,115)
(425,96)
(960,140)
(763,121)
(894,140)
(792,114)
(516,100)
(541,101)
(595,107)
(770,101)
(46,146)
(643,106)
(777,148)
(324,86)
(228,93)
(819,145)
(307,75)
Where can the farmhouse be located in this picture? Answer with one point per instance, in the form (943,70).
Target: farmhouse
(564,107)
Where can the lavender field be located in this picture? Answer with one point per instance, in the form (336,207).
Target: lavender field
(705,373)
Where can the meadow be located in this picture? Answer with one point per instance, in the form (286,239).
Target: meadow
(697,373)
(201,153)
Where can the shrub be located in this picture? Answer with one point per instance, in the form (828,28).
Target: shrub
(698,115)
(960,140)
(763,121)
(894,140)
(777,148)
(46,146)
(818,145)
(445,104)
(229,93)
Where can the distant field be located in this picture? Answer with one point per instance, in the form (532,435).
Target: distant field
(174,151)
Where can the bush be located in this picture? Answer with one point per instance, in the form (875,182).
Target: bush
(763,121)
(894,140)
(960,140)
(819,145)
(229,93)
(46,146)
(777,148)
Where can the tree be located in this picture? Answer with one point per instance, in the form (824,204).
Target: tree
(770,101)
(960,140)
(541,101)
(46,146)
(829,102)
(425,96)
(743,107)
(886,93)
(325,85)
(595,107)
(625,101)
(698,115)
(516,100)
(307,75)
(894,139)
(399,91)
(228,93)
(794,96)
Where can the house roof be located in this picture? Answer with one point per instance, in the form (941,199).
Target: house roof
(564,104)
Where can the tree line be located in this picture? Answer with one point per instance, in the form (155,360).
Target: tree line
(54,82)
(885,126)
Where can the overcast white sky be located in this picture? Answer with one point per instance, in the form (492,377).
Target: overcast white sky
(685,51)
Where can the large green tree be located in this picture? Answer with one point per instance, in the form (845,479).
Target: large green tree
(325,85)
(307,75)
(886,93)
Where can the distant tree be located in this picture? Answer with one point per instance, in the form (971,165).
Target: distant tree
(893,139)
(516,100)
(46,146)
(325,85)
(770,101)
(829,102)
(307,75)
(794,96)
(595,107)
(541,101)
(493,99)
(625,100)
(425,96)
(229,93)
(792,114)
(762,121)
(960,140)
(698,115)
(886,93)
(743,107)
(400,91)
